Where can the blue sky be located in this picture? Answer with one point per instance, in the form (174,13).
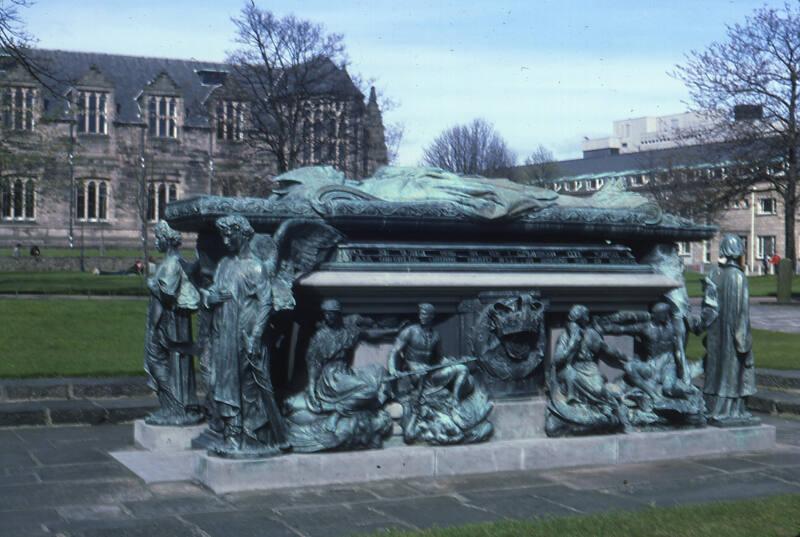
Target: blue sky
(542,71)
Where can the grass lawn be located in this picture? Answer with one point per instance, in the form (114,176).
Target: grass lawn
(759,285)
(773,350)
(54,338)
(778,516)
(83,337)
(70,283)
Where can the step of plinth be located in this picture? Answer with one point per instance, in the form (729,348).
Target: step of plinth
(775,401)
(75,411)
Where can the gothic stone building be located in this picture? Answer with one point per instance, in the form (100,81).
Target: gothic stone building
(73,154)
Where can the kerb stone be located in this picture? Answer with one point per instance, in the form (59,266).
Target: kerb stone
(226,475)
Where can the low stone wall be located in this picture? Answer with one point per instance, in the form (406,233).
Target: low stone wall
(63,264)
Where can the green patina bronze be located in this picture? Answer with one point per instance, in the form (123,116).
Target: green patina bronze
(405,220)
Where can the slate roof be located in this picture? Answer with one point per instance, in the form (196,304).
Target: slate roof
(130,75)
(694,156)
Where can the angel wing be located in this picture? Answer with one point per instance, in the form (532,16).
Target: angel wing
(300,246)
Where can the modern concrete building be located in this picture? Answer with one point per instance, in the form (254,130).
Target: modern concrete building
(73,155)
(642,149)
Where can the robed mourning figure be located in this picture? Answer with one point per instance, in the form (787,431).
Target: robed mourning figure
(342,406)
(173,298)
(728,363)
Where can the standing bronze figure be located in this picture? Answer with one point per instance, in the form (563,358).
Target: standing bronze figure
(241,386)
(729,369)
(173,298)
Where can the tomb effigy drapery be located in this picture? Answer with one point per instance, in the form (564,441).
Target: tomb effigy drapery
(333,298)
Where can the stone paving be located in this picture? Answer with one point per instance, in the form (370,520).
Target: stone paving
(770,316)
(61,481)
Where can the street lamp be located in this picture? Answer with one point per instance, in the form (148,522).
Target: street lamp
(143,200)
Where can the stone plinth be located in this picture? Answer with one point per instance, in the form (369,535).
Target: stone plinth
(518,418)
(165,437)
(225,475)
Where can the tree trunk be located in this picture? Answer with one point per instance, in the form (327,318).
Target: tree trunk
(790,209)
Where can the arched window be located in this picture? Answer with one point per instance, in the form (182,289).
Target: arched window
(5,198)
(162,200)
(151,202)
(18,107)
(101,113)
(18,111)
(19,192)
(30,199)
(17,199)
(159,194)
(80,201)
(92,112)
(163,116)
(102,201)
(91,198)
(318,136)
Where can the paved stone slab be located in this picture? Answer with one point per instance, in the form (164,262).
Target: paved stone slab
(440,511)
(26,521)
(164,527)
(722,487)
(165,438)
(160,507)
(622,475)
(341,520)
(109,471)
(241,524)
(515,503)
(160,466)
(586,501)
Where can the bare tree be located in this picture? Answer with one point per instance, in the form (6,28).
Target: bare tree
(474,148)
(16,42)
(755,71)
(540,167)
(283,64)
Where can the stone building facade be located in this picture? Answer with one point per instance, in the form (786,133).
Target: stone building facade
(113,137)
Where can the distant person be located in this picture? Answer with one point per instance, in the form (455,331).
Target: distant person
(16,253)
(35,252)
(765,265)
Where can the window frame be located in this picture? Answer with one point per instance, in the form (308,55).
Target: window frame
(18,106)
(163,116)
(92,111)
(89,194)
(156,205)
(18,199)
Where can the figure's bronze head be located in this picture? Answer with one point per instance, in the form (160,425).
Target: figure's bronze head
(731,247)
(579,314)
(426,314)
(166,237)
(331,312)
(661,312)
(236,231)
